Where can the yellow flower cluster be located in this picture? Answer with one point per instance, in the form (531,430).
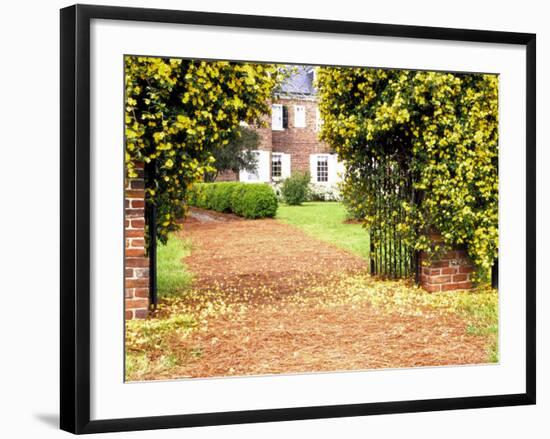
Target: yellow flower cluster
(439,128)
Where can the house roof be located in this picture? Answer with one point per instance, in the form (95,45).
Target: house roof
(300,82)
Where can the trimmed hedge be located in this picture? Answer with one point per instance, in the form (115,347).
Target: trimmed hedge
(250,200)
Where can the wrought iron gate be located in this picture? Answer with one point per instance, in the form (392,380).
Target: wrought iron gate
(391,187)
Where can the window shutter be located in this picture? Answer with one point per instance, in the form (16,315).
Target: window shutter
(313,167)
(276,117)
(285,116)
(264,164)
(300,116)
(285,168)
(332,168)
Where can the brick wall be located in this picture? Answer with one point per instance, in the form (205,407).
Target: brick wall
(265,133)
(299,142)
(136,279)
(227,175)
(450,271)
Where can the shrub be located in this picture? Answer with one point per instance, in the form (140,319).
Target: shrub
(220,196)
(294,189)
(276,186)
(249,200)
(255,201)
(321,192)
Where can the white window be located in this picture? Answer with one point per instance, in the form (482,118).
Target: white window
(276,165)
(299,116)
(322,169)
(277,117)
(318,120)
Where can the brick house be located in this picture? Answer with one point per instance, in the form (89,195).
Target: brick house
(290,142)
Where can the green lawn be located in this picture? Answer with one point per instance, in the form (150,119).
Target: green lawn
(172,273)
(325,221)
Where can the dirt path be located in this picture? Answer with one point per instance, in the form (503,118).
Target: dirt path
(243,254)
(288,319)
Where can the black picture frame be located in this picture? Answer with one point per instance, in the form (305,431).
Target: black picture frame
(75,217)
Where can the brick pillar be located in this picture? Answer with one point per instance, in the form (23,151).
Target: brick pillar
(136,281)
(450,271)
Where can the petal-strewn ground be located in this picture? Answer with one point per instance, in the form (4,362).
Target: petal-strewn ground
(268,298)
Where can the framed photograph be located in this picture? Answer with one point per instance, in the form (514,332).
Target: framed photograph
(273,218)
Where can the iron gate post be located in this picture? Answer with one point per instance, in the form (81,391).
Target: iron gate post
(494,274)
(151,169)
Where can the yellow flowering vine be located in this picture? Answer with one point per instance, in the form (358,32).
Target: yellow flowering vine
(177,112)
(440,129)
